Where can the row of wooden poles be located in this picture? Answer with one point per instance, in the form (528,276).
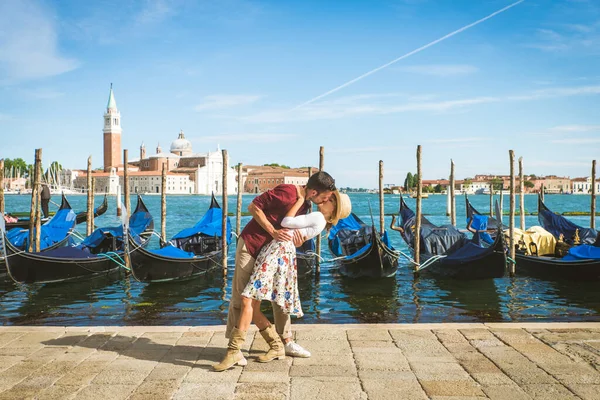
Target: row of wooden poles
(512,195)
(35,211)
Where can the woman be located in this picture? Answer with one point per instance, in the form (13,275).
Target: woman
(275,279)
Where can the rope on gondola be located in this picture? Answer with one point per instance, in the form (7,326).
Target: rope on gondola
(511,260)
(429,262)
(119,261)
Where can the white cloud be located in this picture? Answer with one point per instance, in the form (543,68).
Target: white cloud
(247,137)
(216,102)
(29,43)
(443,70)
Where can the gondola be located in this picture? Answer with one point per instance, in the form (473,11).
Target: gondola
(306,258)
(447,252)
(361,251)
(80,218)
(55,233)
(581,262)
(99,254)
(190,253)
(558,225)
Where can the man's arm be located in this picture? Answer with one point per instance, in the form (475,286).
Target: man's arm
(260,217)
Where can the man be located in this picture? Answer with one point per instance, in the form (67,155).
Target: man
(45,197)
(267,211)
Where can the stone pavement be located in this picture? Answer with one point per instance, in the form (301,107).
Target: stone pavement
(381,361)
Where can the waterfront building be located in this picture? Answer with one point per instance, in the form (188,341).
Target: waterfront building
(140,182)
(203,172)
(584,185)
(262,178)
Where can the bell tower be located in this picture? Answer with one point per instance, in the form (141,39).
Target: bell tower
(112,134)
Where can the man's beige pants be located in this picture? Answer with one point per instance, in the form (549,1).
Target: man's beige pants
(244,265)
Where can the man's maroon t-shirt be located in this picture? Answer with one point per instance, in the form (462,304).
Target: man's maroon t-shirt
(275,203)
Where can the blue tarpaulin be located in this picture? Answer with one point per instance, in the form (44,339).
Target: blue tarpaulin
(583,252)
(52,232)
(209,225)
(173,252)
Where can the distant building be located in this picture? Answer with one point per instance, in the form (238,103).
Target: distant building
(204,171)
(584,185)
(259,179)
(140,182)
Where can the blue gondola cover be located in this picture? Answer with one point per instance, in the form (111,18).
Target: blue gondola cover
(209,225)
(53,231)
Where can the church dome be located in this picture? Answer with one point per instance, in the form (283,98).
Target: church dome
(181,146)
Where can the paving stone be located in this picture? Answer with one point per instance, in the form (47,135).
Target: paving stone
(260,388)
(19,393)
(451,388)
(83,374)
(322,334)
(504,392)
(393,390)
(479,365)
(7,337)
(120,377)
(529,375)
(587,392)
(59,392)
(277,367)
(450,336)
(382,361)
(167,372)
(155,390)
(477,334)
(321,359)
(387,375)
(368,334)
(548,392)
(331,388)
(258,376)
(105,392)
(203,373)
(492,379)
(208,391)
(322,370)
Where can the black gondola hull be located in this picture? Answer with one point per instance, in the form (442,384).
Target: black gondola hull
(492,265)
(377,262)
(556,268)
(36,268)
(149,267)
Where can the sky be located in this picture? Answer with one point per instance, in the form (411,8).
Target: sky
(258,78)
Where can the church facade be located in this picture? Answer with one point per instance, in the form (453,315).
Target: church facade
(188,172)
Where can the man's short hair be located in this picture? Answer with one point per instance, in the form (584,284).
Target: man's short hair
(321,182)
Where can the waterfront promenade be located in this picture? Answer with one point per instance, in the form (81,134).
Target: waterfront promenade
(383,361)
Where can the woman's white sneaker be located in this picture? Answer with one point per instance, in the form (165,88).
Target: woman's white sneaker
(293,349)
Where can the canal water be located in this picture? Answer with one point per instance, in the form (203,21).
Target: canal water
(331,298)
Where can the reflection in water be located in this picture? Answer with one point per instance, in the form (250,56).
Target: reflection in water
(194,301)
(476,300)
(371,300)
(45,304)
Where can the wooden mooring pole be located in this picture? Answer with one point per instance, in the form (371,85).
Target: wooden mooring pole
(522,194)
(318,246)
(2,185)
(452,196)
(238,212)
(381,204)
(119,200)
(34,213)
(511,220)
(491,199)
(163,205)
(417,235)
(126,182)
(593,205)
(93,197)
(90,205)
(224,220)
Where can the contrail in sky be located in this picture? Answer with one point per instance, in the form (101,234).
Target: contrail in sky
(464,28)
